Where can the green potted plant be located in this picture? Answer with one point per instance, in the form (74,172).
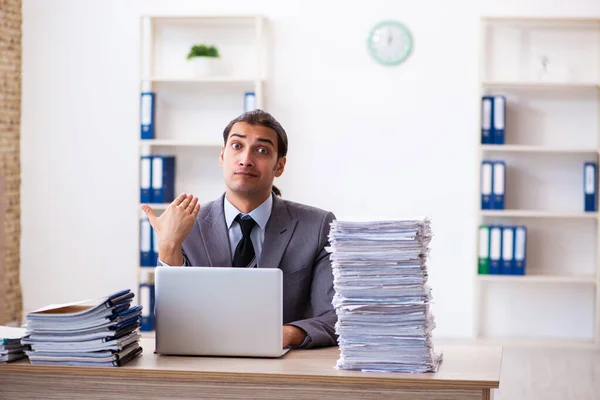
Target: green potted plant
(203,59)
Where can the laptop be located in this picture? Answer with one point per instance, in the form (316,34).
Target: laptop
(209,311)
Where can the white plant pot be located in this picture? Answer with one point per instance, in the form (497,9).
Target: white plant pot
(203,66)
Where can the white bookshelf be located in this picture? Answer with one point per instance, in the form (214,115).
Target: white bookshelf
(191,110)
(552,128)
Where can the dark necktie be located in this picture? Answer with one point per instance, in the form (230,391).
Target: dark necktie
(244,252)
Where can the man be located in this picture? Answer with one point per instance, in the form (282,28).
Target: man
(249,226)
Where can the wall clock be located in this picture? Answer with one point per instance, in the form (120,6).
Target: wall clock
(390,42)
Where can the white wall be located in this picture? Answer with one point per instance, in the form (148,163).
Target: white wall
(365,140)
(79,107)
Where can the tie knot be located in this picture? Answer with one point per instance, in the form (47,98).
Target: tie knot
(246,223)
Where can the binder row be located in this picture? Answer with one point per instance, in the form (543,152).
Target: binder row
(157,179)
(502,250)
(148,244)
(493,119)
(493,184)
(148,112)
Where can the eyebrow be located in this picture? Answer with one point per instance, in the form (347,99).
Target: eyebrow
(265,140)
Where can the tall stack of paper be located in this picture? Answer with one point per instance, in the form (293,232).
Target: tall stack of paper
(11,348)
(381,295)
(98,332)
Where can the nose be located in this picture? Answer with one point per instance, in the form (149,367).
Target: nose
(246,160)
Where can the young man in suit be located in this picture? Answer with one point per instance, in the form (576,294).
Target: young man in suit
(249,226)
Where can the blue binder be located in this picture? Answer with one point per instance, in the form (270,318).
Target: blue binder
(147,111)
(498,184)
(147,303)
(520,253)
(249,101)
(499,119)
(146,179)
(146,243)
(163,179)
(590,186)
(495,250)
(508,250)
(487,107)
(487,181)
(154,248)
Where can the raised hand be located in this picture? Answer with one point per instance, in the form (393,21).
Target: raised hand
(173,226)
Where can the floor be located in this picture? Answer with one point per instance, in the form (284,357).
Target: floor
(549,374)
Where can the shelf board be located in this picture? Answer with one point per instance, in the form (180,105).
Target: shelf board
(535,149)
(539,85)
(157,206)
(179,143)
(163,17)
(538,279)
(539,214)
(540,19)
(208,79)
(534,342)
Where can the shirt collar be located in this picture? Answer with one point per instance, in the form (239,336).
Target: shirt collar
(260,214)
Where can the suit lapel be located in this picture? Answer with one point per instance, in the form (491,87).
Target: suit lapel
(278,233)
(215,236)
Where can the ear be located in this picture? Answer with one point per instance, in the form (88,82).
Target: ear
(280,166)
(221,156)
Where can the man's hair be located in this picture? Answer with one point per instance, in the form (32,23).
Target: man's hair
(276,190)
(263,118)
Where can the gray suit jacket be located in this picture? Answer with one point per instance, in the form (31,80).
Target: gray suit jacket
(295,237)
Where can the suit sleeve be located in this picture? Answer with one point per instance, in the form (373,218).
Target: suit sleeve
(320,328)
(186,262)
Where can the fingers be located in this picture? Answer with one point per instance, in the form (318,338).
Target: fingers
(150,213)
(179,199)
(186,202)
(192,205)
(196,210)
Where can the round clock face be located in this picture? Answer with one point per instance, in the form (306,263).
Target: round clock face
(390,42)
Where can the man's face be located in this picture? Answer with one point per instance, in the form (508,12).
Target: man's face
(249,159)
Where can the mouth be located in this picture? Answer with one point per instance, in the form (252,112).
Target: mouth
(248,174)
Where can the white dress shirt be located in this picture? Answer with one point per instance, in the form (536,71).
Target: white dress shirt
(260,214)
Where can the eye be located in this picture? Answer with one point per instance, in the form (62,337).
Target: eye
(263,150)
(236,146)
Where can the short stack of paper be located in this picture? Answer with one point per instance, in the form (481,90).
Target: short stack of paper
(381,295)
(11,348)
(98,332)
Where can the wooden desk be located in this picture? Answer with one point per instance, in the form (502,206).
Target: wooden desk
(466,373)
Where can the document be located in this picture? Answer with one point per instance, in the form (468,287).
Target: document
(381,295)
(11,348)
(99,332)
